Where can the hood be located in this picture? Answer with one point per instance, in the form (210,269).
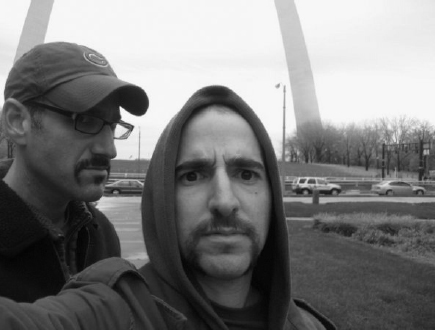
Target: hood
(272,272)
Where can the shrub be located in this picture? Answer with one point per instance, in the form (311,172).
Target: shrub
(341,228)
(388,228)
(404,233)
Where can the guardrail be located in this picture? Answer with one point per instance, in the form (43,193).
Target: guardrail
(119,176)
(365,184)
(289,179)
(138,176)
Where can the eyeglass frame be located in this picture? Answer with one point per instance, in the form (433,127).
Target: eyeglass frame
(75,115)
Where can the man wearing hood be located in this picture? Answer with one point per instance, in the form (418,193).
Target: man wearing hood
(214,222)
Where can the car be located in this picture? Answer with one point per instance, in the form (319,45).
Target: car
(306,186)
(127,186)
(397,187)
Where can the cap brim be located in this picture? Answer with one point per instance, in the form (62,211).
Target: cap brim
(83,93)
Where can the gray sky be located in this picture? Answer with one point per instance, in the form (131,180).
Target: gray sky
(370,58)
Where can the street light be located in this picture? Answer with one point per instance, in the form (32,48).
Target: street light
(138,156)
(283,139)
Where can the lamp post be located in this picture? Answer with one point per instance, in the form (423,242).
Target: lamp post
(138,156)
(283,139)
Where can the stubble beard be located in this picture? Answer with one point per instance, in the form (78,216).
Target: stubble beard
(192,257)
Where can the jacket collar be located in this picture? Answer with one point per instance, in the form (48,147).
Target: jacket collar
(20,227)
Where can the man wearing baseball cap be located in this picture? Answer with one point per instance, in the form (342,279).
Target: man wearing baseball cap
(62,112)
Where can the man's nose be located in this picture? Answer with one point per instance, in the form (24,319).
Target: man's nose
(104,143)
(223,197)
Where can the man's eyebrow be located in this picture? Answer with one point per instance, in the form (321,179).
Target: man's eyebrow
(193,164)
(201,163)
(245,162)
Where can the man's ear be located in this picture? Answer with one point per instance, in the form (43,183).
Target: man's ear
(16,121)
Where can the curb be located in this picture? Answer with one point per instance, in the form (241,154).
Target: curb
(299,219)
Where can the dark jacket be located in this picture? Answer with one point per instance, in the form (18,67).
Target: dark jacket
(178,293)
(110,294)
(30,257)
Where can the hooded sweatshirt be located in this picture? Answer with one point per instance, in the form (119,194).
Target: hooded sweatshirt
(180,296)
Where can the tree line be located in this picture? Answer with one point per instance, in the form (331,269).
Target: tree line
(360,144)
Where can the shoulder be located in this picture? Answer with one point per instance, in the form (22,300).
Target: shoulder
(312,317)
(123,277)
(108,271)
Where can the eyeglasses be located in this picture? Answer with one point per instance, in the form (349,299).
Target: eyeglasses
(88,124)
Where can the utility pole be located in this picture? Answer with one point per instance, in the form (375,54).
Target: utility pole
(283,138)
(383,161)
(283,142)
(421,164)
(138,156)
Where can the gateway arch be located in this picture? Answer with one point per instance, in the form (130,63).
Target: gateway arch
(302,86)
(298,63)
(35,26)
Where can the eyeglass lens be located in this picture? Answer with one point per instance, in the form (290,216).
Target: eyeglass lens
(93,125)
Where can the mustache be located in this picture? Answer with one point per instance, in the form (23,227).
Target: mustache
(231,224)
(95,161)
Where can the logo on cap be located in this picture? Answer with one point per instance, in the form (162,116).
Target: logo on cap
(95,58)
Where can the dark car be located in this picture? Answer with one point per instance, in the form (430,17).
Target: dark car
(127,186)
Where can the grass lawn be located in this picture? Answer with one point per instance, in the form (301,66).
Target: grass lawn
(327,170)
(419,210)
(359,286)
(335,170)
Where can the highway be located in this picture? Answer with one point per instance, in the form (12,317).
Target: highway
(323,199)
(125,215)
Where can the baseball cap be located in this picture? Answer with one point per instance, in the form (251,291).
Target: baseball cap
(72,77)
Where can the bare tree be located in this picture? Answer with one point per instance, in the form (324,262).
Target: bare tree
(361,144)
(369,140)
(292,149)
(347,142)
(331,138)
(309,141)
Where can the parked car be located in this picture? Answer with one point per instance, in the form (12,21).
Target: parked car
(127,186)
(306,186)
(396,187)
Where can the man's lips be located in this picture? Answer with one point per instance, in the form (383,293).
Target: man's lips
(224,232)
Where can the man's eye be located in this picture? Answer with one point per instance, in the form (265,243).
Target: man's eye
(246,175)
(191,176)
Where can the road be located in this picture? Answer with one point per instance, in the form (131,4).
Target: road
(125,214)
(361,198)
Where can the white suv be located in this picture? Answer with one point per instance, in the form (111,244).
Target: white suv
(306,185)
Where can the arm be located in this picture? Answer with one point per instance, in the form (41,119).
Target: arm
(110,294)
(125,280)
(88,306)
